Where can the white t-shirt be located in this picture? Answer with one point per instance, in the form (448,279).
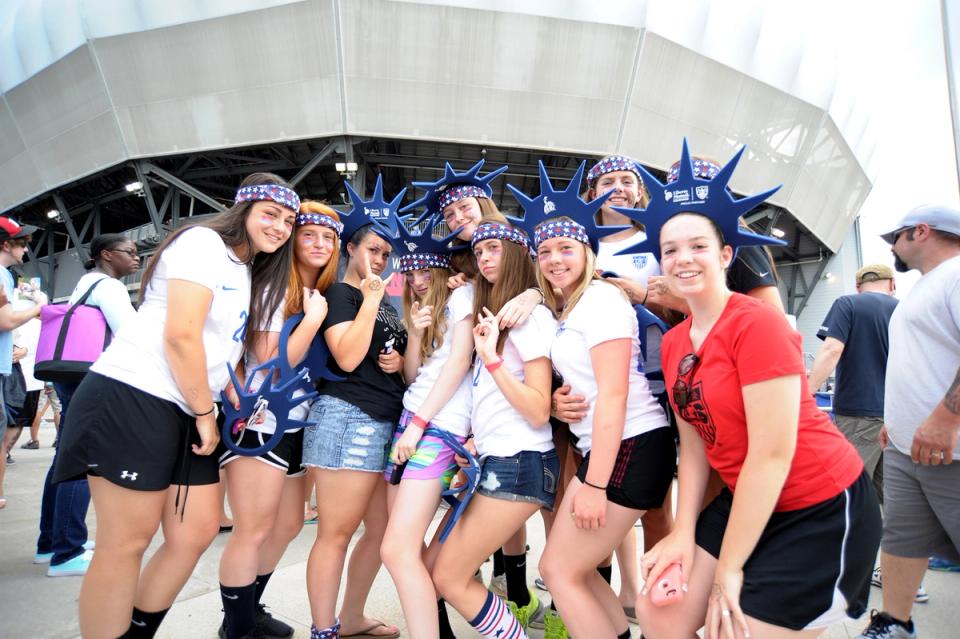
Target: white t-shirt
(136,355)
(638,267)
(924,353)
(300,411)
(455,415)
(601,315)
(27,335)
(499,429)
(111,297)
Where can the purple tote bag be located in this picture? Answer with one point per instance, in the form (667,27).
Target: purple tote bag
(72,337)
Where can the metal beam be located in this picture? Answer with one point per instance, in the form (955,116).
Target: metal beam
(68,222)
(816,280)
(51,268)
(86,225)
(175,207)
(96,221)
(166,201)
(312,164)
(148,196)
(183,186)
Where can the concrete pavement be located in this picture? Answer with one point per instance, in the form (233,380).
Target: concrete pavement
(34,605)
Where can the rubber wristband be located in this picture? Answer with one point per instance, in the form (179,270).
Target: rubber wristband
(645,296)
(418,421)
(586,483)
(494,366)
(212,408)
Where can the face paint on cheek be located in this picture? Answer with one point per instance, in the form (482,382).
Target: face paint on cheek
(266,220)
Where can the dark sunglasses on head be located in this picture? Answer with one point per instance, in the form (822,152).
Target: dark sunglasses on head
(682,388)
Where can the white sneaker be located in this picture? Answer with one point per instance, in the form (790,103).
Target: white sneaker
(76,567)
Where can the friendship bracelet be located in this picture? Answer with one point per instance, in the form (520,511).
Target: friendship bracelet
(586,483)
(494,366)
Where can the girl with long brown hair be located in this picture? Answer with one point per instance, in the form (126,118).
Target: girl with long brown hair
(511,405)
(144,418)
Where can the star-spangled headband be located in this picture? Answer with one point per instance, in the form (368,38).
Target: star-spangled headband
(560,228)
(610,164)
(376,211)
(320,219)
(552,203)
(702,168)
(457,193)
(417,261)
(258,192)
(497,231)
(690,194)
(430,199)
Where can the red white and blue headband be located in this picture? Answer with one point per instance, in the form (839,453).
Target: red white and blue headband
(303,219)
(560,228)
(259,192)
(457,193)
(610,164)
(703,169)
(434,191)
(497,231)
(418,261)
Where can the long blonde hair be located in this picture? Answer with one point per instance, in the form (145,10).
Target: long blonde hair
(293,303)
(437,297)
(554,299)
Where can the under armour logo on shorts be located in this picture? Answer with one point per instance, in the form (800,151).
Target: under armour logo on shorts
(128,475)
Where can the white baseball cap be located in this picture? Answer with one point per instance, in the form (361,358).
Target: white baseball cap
(936,216)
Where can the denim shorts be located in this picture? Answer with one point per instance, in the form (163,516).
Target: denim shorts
(527,476)
(341,436)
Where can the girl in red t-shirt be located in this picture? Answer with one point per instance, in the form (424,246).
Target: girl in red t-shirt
(803,520)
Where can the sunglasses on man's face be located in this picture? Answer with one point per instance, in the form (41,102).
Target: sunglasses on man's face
(683,387)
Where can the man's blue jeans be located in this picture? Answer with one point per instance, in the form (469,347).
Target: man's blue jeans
(63,510)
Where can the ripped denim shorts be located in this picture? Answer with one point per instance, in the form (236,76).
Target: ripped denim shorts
(341,436)
(527,476)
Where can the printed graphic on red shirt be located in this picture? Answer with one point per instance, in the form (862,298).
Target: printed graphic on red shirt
(697,414)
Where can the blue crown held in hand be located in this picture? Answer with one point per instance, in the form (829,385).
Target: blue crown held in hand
(708,197)
(277,393)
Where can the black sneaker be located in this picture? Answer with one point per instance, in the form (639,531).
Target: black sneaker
(256,633)
(272,627)
(883,626)
(31,445)
(10,459)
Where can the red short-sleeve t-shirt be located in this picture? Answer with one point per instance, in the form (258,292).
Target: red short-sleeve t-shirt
(752,342)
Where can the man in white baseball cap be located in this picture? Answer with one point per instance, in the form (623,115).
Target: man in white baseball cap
(921,415)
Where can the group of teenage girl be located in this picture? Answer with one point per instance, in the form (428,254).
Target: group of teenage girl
(512,345)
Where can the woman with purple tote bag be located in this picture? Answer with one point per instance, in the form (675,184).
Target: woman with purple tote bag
(63,509)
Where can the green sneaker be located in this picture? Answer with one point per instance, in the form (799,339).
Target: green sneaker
(526,614)
(553,626)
